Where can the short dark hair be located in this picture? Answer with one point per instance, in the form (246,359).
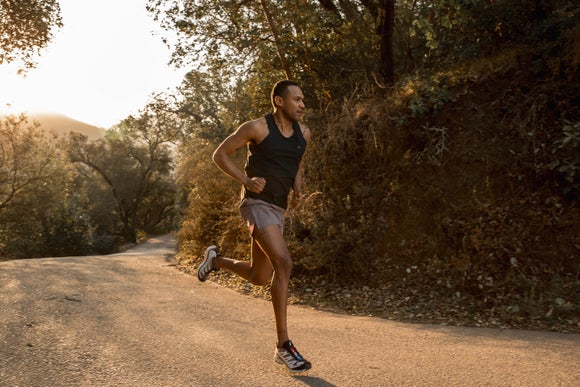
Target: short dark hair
(280,88)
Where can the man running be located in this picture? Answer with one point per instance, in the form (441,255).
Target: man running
(276,144)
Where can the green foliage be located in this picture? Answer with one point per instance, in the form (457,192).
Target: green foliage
(122,184)
(103,243)
(427,94)
(25,160)
(456,30)
(456,172)
(209,199)
(22,239)
(67,229)
(232,42)
(568,162)
(211,108)
(40,215)
(133,165)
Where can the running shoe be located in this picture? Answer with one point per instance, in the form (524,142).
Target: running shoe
(207,266)
(291,358)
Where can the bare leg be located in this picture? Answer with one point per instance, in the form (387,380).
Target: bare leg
(259,271)
(272,242)
(270,255)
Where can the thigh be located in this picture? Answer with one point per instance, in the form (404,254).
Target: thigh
(261,264)
(272,243)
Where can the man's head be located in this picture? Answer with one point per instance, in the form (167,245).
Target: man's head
(288,99)
(280,89)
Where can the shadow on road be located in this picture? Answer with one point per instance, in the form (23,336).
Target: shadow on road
(314,381)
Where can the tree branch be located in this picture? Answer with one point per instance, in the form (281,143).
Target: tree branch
(279,48)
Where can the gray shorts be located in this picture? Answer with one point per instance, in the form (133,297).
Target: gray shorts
(259,214)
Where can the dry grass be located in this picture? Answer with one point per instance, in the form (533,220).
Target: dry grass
(432,202)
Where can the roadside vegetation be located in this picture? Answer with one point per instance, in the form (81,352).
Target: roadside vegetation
(441,183)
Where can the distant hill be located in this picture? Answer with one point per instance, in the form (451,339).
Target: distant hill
(63,125)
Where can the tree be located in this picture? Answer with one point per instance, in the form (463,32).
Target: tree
(325,47)
(210,109)
(25,158)
(383,13)
(276,37)
(41,211)
(27,27)
(386,26)
(134,163)
(450,31)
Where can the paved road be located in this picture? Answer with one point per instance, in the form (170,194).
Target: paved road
(133,319)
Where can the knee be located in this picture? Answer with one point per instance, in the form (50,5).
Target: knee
(284,265)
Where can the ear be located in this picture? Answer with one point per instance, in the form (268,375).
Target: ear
(278,100)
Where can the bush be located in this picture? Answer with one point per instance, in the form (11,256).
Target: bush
(103,244)
(210,201)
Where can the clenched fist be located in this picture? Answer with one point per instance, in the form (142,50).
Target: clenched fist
(255,184)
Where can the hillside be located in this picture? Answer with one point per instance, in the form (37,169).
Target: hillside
(458,204)
(467,193)
(62,125)
(468,209)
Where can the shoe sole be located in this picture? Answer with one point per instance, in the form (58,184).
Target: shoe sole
(278,360)
(210,248)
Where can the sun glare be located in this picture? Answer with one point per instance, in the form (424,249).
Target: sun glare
(102,66)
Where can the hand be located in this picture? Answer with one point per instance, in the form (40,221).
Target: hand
(296,199)
(255,184)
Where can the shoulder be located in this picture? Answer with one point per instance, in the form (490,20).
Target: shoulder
(254,130)
(305,131)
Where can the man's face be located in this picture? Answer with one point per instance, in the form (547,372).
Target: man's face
(293,103)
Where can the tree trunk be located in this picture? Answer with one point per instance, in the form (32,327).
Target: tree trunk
(279,48)
(386,65)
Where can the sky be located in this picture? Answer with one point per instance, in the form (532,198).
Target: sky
(101,67)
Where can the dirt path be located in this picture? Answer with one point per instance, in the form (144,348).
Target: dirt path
(133,319)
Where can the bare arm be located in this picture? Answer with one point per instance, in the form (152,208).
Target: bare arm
(247,132)
(297,195)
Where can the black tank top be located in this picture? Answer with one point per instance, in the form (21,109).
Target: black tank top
(276,158)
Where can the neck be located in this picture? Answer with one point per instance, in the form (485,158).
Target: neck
(280,117)
(284,123)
